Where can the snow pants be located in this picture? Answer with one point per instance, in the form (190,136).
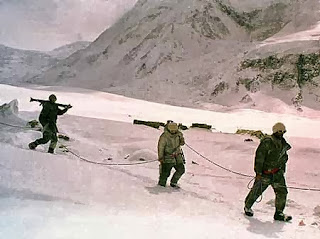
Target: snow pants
(48,134)
(278,183)
(165,170)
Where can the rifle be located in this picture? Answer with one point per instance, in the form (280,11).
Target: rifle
(44,101)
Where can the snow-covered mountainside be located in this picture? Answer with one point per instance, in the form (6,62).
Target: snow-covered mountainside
(194,52)
(67,50)
(17,65)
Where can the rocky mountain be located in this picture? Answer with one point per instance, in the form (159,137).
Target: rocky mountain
(17,65)
(200,52)
(67,50)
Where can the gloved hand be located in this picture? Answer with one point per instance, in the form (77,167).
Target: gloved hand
(258,177)
(161,161)
(69,106)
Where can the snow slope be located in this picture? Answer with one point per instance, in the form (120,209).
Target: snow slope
(59,196)
(67,50)
(312,34)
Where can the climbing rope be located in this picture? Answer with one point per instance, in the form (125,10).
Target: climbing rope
(146,162)
(255,185)
(84,159)
(107,164)
(305,189)
(210,161)
(15,126)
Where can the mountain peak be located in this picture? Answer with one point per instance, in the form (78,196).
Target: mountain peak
(161,47)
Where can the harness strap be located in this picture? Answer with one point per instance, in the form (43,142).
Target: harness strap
(271,171)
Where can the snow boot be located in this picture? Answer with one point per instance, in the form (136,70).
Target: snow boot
(32,145)
(280,216)
(50,150)
(174,185)
(248,211)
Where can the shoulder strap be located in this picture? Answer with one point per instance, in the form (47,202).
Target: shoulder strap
(266,137)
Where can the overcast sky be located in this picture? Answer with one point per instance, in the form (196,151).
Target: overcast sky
(47,24)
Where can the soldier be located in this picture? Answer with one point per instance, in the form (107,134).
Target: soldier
(170,154)
(270,165)
(48,120)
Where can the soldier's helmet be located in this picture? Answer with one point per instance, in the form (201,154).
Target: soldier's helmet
(172,127)
(279,127)
(52,98)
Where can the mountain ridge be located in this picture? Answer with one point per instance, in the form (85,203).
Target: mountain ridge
(143,54)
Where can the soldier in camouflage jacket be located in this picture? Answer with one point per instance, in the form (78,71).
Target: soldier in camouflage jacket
(48,120)
(270,165)
(170,154)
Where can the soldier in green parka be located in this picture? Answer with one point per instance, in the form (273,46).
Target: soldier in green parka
(270,165)
(48,120)
(170,154)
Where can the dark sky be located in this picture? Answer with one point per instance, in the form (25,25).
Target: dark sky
(47,24)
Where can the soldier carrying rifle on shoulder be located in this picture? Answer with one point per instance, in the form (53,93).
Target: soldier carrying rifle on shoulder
(48,120)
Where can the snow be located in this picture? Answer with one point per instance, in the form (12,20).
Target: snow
(60,196)
(103,105)
(312,34)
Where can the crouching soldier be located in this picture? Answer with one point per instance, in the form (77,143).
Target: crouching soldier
(170,154)
(48,120)
(270,165)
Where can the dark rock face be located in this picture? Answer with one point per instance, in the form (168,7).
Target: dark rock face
(287,71)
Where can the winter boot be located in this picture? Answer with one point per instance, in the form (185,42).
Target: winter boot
(50,150)
(32,145)
(280,216)
(248,211)
(174,185)
(162,185)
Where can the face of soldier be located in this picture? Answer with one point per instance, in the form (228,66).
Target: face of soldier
(173,128)
(279,134)
(52,98)
(173,131)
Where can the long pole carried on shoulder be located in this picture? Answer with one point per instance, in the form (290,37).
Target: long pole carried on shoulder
(43,101)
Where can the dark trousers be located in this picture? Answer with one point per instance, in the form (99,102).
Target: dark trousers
(165,170)
(278,183)
(48,135)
